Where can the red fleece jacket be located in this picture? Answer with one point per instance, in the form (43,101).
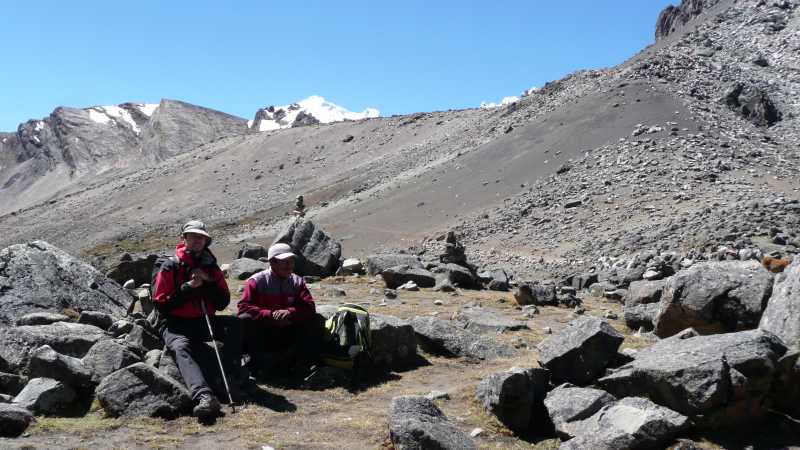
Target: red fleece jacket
(185,303)
(266,292)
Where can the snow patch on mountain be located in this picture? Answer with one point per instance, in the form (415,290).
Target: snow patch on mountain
(312,110)
(107,114)
(147,108)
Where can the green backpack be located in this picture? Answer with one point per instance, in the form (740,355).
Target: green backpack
(349,342)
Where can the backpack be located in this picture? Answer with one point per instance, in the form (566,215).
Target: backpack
(156,318)
(348,340)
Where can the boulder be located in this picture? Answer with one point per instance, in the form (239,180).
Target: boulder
(447,338)
(252,251)
(140,390)
(581,280)
(499,280)
(416,423)
(512,395)
(120,327)
(38,277)
(47,397)
(536,294)
(99,319)
(394,344)
(457,275)
(108,356)
(318,254)
(396,276)
(139,269)
(12,383)
(632,422)
(568,404)
(579,353)
(484,320)
(243,268)
(785,393)
(714,297)
(782,315)
(642,303)
(352,266)
(46,362)
(717,380)
(152,358)
(752,103)
(168,367)
(143,338)
(376,264)
(72,339)
(42,318)
(14,420)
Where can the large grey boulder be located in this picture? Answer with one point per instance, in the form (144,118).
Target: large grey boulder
(106,357)
(140,390)
(47,397)
(46,362)
(72,339)
(717,380)
(447,338)
(642,303)
(39,277)
(139,269)
(14,420)
(630,423)
(782,315)
(416,423)
(318,254)
(579,353)
(397,276)
(378,263)
(394,344)
(785,393)
(568,404)
(714,297)
(42,318)
(484,320)
(512,395)
(243,268)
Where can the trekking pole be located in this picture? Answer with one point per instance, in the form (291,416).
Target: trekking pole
(219,359)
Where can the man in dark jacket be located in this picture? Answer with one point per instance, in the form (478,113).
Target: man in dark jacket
(183,283)
(278,314)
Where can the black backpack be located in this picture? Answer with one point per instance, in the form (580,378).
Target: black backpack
(156,318)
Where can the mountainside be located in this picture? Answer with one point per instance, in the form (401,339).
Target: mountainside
(692,144)
(311,111)
(45,157)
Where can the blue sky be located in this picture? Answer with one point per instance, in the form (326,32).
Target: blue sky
(398,57)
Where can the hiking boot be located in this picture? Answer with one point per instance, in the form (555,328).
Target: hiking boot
(207,406)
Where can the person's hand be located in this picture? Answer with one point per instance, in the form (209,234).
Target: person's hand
(280,315)
(198,277)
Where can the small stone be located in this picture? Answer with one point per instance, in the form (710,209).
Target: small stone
(438,395)
(476,432)
(547,330)
(130,284)
(438,302)
(390,293)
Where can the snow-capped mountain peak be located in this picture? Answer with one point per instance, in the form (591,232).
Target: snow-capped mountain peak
(310,111)
(122,114)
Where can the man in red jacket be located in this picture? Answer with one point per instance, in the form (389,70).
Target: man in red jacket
(278,313)
(183,283)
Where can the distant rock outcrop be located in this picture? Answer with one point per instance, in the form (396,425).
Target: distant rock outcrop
(673,17)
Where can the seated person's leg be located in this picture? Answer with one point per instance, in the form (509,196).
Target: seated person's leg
(181,348)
